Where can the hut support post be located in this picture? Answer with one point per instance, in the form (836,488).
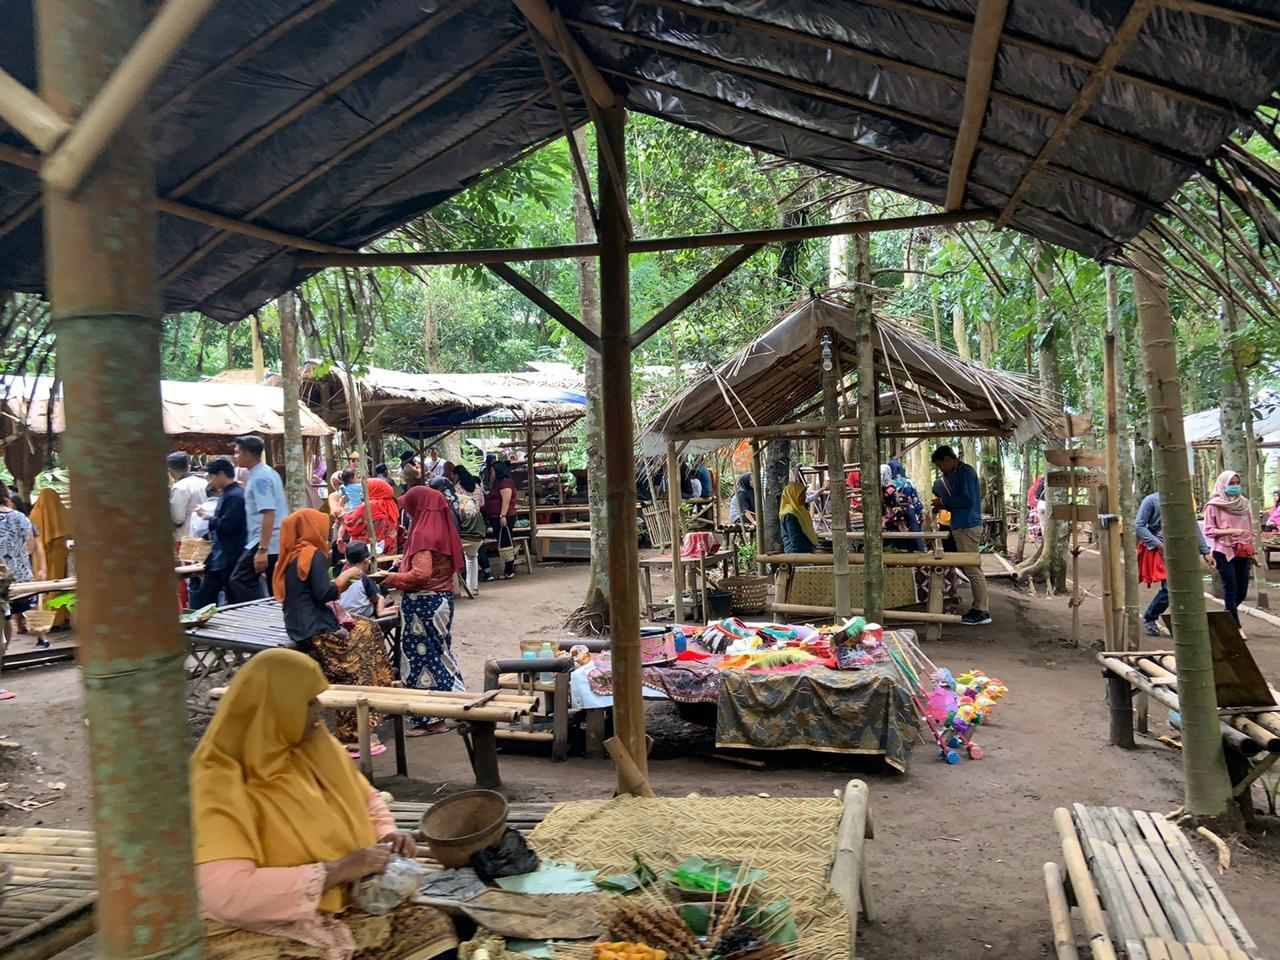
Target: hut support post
(619,444)
(100,254)
(835,481)
(869,457)
(529,453)
(673,504)
(759,500)
(295,463)
(1114,544)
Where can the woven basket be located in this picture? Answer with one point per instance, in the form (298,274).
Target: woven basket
(749,593)
(40,621)
(194,550)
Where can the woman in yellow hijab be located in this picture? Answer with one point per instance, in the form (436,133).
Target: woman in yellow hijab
(284,821)
(798,534)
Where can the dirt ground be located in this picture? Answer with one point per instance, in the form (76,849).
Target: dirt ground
(956,864)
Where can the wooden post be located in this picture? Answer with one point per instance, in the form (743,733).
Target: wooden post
(295,465)
(835,482)
(673,505)
(365,736)
(759,500)
(255,343)
(619,443)
(100,260)
(1114,545)
(533,487)
(869,457)
(1106,533)
(1120,699)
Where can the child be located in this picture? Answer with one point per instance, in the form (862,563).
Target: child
(352,491)
(363,598)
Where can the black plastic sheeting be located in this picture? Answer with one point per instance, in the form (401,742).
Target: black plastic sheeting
(873,91)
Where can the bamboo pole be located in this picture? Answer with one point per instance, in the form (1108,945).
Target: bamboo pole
(100,267)
(1082,884)
(888,559)
(755,482)
(123,92)
(897,616)
(673,505)
(533,486)
(619,444)
(835,484)
(23,110)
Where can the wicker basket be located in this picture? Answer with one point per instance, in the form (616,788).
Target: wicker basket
(750,594)
(40,620)
(194,550)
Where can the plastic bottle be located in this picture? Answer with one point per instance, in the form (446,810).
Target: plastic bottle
(546,653)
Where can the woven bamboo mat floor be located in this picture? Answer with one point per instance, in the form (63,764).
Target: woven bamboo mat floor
(793,839)
(51,893)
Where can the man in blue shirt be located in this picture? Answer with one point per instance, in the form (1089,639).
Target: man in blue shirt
(1150,530)
(958,491)
(227,529)
(264,507)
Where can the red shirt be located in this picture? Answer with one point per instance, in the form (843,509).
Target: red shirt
(493,503)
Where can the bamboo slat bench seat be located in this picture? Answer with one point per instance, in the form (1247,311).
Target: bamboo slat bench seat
(1141,889)
(49,895)
(475,714)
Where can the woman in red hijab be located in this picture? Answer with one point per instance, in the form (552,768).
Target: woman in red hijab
(432,558)
(386,518)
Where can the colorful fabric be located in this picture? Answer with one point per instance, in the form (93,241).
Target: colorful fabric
(699,544)
(386,516)
(266,789)
(1151,567)
(15,543)
(426,645)
(431,526)
(53,526)
(857,712)
(302,534)
(683,682)
(793,505)
(360,659)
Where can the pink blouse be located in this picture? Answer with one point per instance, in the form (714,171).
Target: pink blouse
(1216,520)
(281,901)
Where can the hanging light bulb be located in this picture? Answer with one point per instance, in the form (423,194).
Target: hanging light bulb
(826,353)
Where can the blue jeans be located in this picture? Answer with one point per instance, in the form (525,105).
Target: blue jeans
(1235,575)
(1159,603)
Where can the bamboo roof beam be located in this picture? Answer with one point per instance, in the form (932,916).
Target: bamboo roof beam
(553,309)
(1116,49)
(27,161)
(23,110)
(437,258)
(303,106)
(123,92)
(594,86)
(1218,12)
(695,292)
(880,109)
(386,126)
(984,45)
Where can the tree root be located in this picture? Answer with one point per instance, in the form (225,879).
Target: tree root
(591,618)
(1224,852)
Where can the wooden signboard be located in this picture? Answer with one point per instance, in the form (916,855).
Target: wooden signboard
(1075,478)
(1235,674)
(1078,424)
(1075,512)
(1078,457)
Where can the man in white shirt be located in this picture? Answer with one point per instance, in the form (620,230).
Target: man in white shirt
(264,506)
(186,493)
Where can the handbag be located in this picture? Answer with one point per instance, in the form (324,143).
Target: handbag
(345,620)
(1244,550)
(508,551)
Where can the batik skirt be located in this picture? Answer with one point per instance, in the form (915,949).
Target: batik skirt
(358,657)
(426,644)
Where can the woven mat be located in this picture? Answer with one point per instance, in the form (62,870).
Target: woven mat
(793,839)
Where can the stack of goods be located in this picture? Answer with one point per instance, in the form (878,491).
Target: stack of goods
(953,707)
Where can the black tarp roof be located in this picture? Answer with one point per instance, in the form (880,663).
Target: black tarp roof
(872,90)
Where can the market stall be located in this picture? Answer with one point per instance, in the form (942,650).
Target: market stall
(794,382)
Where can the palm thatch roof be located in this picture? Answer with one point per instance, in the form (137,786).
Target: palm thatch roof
(423,405)
(777,380)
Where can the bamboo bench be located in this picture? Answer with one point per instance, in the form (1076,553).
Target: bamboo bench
(1141,889)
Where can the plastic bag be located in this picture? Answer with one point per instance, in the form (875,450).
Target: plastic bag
(509,857)
(382,893)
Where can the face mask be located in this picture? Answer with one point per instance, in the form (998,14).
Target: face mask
(1233,490)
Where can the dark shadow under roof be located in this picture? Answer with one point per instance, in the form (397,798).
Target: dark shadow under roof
(337,120)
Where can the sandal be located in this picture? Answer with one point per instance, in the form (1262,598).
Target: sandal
(376,749)
(6,694)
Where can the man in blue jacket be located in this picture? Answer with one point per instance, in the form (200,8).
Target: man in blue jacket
(228,528)
(958,491)
(1150,529)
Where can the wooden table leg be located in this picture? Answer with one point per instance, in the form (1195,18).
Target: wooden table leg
(366,739)
(402,762)
(646,581)
(559,707)
(595,733)
(937,587)
(484,756)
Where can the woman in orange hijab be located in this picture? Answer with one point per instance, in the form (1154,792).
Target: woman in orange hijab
(284,821)
(350,655)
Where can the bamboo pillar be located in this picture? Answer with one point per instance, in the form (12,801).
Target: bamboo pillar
(1114,545)
(673,504)
(835,481)
(533,487)
(619,442)
(759,499)
(255,341)
(295,469)
(869,457)
(1207,787)
(100,256)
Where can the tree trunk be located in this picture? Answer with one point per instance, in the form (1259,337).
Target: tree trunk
(295,470)
(1128,499)
(1050,566)
(1233,408)
(255,341)
(594,613)
(1207,786)
(969,452)
(839,253)
(988,449)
